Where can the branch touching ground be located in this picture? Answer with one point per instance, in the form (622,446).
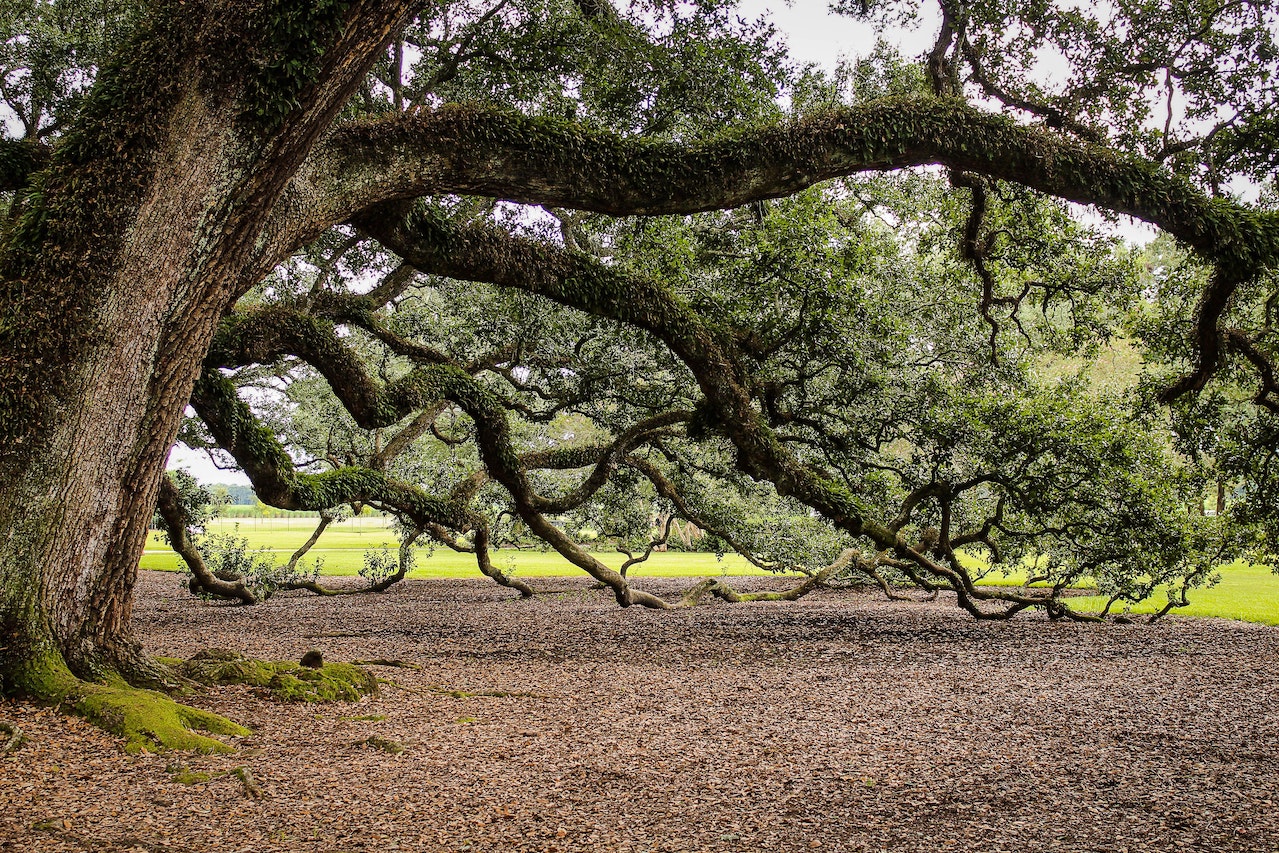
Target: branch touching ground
(169,506)
(723,591)
(405,561)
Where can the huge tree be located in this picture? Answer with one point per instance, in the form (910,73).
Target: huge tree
(167,164)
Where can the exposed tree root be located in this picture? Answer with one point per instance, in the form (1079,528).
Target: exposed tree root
(14,740)
(252,789)
(284,681)
(147,720)
(150,721)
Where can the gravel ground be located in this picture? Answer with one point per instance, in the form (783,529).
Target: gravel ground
(840,722)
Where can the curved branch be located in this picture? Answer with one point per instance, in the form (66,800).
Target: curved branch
(1207,334)
(169,506)
(480,253)
(402,568)
(723,591)
(271,470)
(267,335)
(653,542)
(539,160)
(277,483)
(1267,395)
(605,461)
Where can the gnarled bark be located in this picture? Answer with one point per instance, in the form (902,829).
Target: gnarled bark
(145,228)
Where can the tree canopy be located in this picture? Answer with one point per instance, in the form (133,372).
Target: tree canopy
(539,270)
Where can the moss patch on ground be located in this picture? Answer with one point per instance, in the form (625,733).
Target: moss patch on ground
(390,747)
(284,681)
(150,721)
(187,776)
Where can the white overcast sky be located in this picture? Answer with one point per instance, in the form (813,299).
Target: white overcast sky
(815,34)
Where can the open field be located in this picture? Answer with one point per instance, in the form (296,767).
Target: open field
(841,722)
(343,545)
(1246,592)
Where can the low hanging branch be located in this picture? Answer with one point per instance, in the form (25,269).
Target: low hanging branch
(432,244)
(721,589)
(275,480)
(176,522)
(404,563)
(250,339)
(483,253)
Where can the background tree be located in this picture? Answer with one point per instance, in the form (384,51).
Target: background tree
(156,212)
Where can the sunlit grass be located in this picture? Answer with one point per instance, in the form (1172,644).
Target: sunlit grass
(1250,593)
(343,545)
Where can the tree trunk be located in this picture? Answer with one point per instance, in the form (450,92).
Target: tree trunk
(76,503)
(150,220)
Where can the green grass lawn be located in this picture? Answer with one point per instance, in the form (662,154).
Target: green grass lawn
(1250,593)
(343,545)
(1245,592)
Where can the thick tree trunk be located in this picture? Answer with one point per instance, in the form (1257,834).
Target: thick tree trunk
(74,513)
(150,220)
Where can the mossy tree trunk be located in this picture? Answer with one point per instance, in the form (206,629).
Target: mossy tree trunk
(120,261)
(114,347)
(204,154)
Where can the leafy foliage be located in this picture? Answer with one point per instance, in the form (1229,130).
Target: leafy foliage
(860,381)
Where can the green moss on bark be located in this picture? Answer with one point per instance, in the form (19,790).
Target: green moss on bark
(147,720)
(287,60)
(43,676)
(285,681)
(150,721)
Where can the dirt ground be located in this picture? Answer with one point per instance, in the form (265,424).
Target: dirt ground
(841,722)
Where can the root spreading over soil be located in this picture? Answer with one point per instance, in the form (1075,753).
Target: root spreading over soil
(561,723)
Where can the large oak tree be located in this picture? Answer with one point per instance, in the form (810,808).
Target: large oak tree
(168,158)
